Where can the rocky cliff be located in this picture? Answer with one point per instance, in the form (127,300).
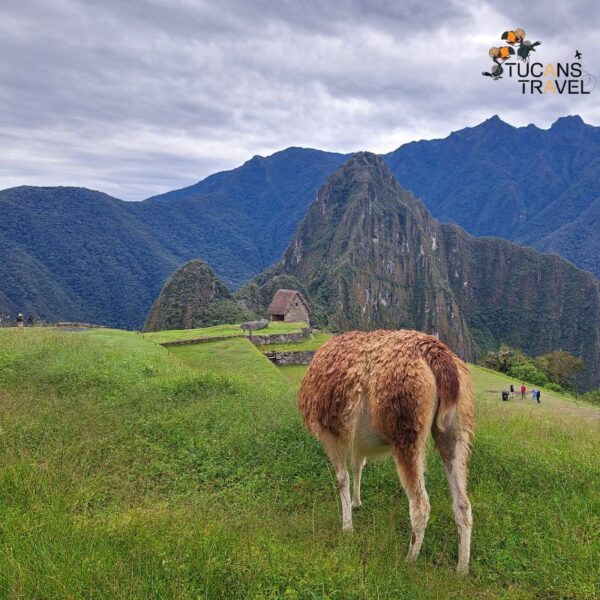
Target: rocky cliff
(371,256)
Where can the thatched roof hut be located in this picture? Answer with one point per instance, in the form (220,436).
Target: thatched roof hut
(289,306)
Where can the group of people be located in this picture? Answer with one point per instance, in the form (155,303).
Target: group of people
(20,321)
(535,393)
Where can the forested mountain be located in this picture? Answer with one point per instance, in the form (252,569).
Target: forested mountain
(538,187)
(194,297)
(71,253)
(371,256)
(75,254)
(239,221)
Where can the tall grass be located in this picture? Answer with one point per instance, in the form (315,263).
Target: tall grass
(127,471)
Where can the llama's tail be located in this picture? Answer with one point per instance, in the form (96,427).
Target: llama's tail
(445,367)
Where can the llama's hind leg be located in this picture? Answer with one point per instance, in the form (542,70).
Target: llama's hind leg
(338,454)
(410,467)
(453,446)
(358,462)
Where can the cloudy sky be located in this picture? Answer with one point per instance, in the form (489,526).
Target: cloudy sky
(137,97)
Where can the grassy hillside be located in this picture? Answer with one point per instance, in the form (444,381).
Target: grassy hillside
(229,329)
(127,471)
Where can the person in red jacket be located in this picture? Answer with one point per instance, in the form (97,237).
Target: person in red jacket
(523,391)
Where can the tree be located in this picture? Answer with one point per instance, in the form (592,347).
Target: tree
(505,358)
(528,372)
(560,367)
(592,396)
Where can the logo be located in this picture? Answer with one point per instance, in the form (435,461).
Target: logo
(557,77)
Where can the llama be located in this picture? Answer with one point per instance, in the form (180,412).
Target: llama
(367,394)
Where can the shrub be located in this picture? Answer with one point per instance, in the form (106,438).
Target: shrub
(498,360)
(592,396)
(490,360)
(560,367)
(528,372)
(504,359)
(554,387)
(517,358)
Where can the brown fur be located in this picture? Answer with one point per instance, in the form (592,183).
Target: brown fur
(364,392)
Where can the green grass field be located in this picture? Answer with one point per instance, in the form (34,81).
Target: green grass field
(130,471)
(221,331)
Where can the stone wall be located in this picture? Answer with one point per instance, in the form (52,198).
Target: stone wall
(296,314)
(290,357)
(280,338)
(257,340)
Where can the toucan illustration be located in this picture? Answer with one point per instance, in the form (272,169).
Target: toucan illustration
(501,54)
(517,38)
(495,72)
(513,37)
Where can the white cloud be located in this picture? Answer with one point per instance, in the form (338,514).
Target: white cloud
(139,97)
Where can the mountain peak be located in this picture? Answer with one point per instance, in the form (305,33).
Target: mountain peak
(495,123)
(363,159)
(193,297)
(494,119)
(363,180)
(568,123)
(363,167)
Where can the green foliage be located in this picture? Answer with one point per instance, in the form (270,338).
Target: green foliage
(127,471)
(528,372)
(194,297)
(223,311)
(592,396)
(556,370)
(560,367)
(502,359)
(497,360)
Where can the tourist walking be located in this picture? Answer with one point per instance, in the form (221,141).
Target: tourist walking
(523,391)
(20,320)
(533,395)
(512,390)
(538,396)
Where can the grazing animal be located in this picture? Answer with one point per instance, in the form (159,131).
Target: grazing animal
(367,394)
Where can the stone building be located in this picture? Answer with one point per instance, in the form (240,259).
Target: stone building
(289,306)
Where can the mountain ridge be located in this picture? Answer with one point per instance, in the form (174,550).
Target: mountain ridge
(240,221)
(371,256)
